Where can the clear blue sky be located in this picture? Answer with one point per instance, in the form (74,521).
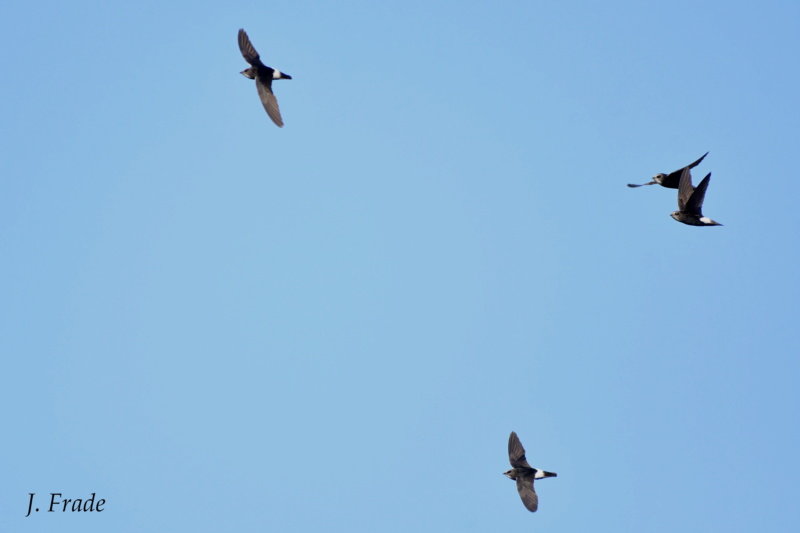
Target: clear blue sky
(219,325)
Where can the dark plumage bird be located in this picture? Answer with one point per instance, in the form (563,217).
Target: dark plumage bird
(523,473)
(671,180)
(690,201)
(263,76)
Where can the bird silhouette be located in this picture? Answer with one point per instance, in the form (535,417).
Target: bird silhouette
(671,180)
(523,473)
(690,201)
(263,75)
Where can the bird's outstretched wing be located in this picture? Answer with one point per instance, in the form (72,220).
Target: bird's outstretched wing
(685,189)
(269,101)
(641,184)
(529,497)
(692,165)
(516,453)
(248,51)
(673,179)
(695,203)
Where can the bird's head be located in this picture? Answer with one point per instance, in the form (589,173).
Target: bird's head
(249,73)
(676,215)
(510,474)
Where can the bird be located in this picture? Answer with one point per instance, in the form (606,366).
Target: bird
(671,180)
(263,75)
(690,201)
(523,473)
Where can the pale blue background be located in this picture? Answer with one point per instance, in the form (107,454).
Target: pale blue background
(219,325)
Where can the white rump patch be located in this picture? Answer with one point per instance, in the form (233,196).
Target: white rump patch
(276,74)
